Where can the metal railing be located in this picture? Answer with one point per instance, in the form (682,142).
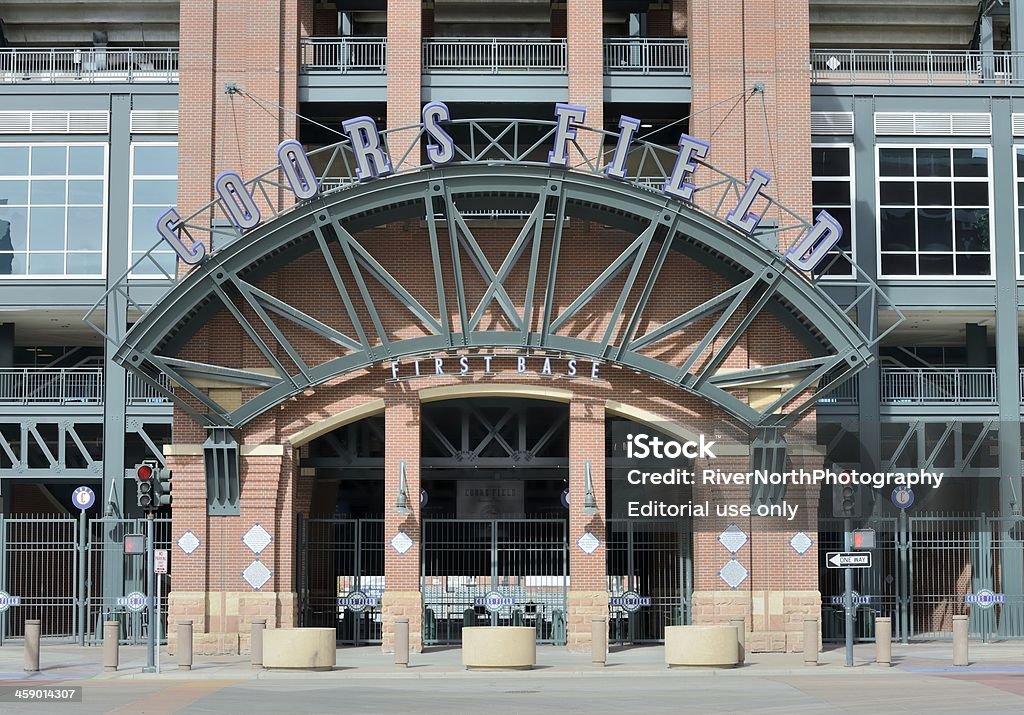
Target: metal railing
(89,64)
(844,393)
(367,55)
(922,67)
(494,55)
(61,386)
(938,386)
(69,386)
(141,393)
(642,55)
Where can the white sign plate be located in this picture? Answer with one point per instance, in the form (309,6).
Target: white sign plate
(848,559)
(160,560)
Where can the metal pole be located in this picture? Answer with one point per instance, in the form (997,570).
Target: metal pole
(159,590)
(151,598)
(81,580)
(848,598)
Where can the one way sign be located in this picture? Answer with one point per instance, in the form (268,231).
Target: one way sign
(848,559)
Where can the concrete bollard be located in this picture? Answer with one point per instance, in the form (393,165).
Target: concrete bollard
(256,642)
(184,653)
(960,641)
(740,625)
(32,633)
(598,642)
(111,642)
(402,642)
(883,641)
(810,641)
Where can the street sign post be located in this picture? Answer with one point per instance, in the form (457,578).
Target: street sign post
(848,559)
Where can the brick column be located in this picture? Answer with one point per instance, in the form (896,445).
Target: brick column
(208,585)
(402,594)
(405,57)
(732,51)
(588,573)
(585,59)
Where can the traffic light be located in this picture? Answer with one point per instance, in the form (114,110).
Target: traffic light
(162,483)
(145,486)
(850,501)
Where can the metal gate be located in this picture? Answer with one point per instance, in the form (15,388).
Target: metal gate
(104,541)
(653,560)
(494,572)
(925,568)
(55,565)
(341,576)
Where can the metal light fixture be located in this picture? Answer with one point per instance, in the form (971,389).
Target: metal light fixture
(589,500)
(402,503)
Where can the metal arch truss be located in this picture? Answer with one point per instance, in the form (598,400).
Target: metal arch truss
(501,163)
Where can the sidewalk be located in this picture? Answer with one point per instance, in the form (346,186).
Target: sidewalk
(69,662)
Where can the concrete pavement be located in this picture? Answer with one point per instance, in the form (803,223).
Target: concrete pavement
(636,680)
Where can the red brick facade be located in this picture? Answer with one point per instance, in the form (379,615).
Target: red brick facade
(729,56)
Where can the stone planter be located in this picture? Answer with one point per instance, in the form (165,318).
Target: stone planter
(299,648)
(701,645)
(499,647)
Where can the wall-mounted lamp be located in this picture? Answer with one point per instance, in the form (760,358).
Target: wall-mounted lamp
(402,503)
(589,500)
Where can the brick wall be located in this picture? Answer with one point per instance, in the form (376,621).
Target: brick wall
(404,69)
(585,56)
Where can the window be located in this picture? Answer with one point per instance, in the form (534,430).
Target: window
(154,189)
(933,211)
(832,191)
(52,209)
(1019,154)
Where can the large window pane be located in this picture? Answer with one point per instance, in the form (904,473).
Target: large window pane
(155,160)
(13,264)
(897,230)
(896,193)
(13,229)
(13,191)
(85,191)
(830,192)
(85,263)
(972,229)
(46,263)
(973,264)
(935,229)
(831,161)
(85,229)
(971,193)
(46,230)
(935,264)
(933,162)
(49,191)
(13,161)
(163,192)
(49,161)
(899,264)
(934,193)
(895,162)
(970,162)
(85,161)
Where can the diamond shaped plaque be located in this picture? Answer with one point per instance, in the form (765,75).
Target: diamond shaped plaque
(733,573)
(732,538)
(401,542)
(833,63)
(256,574)
(188,542)
(800,542)
(257,538)
(588,542)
